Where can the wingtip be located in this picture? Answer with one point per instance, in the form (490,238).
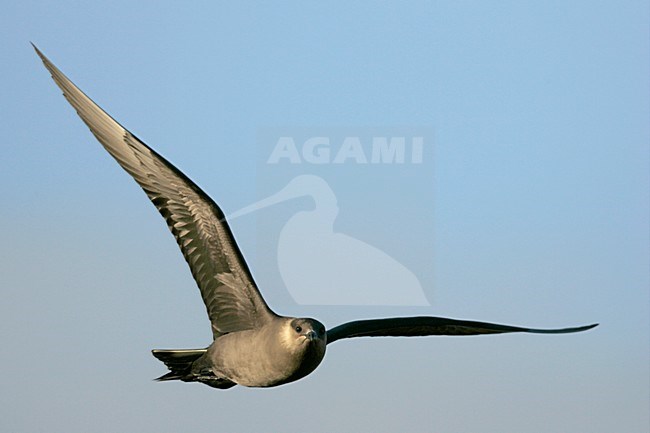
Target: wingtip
(40,54)
(564,330)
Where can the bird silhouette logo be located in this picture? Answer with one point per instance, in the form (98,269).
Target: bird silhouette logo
(310,261)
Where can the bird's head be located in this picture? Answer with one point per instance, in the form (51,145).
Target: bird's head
(302,333)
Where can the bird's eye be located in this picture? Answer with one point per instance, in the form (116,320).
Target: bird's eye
(298,328)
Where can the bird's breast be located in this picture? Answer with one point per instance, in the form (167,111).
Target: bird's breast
(258,360)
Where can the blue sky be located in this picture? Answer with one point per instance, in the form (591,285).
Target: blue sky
(530,207)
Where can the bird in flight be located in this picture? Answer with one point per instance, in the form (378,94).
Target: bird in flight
(252,345)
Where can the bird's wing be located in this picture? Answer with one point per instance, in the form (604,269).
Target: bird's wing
(423,326)
(199,226)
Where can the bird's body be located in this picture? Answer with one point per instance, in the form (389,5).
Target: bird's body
(269,356)
(252,345)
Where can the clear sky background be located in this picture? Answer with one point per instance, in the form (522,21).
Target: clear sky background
(532,209)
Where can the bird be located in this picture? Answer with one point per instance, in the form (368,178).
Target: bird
(252,346)
(373,273)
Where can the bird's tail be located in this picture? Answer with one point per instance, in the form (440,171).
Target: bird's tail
(181,362)
(178,361)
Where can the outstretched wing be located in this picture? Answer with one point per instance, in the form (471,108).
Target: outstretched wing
(199,226)
(424,325)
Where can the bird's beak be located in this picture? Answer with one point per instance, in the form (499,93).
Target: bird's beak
(311,335)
